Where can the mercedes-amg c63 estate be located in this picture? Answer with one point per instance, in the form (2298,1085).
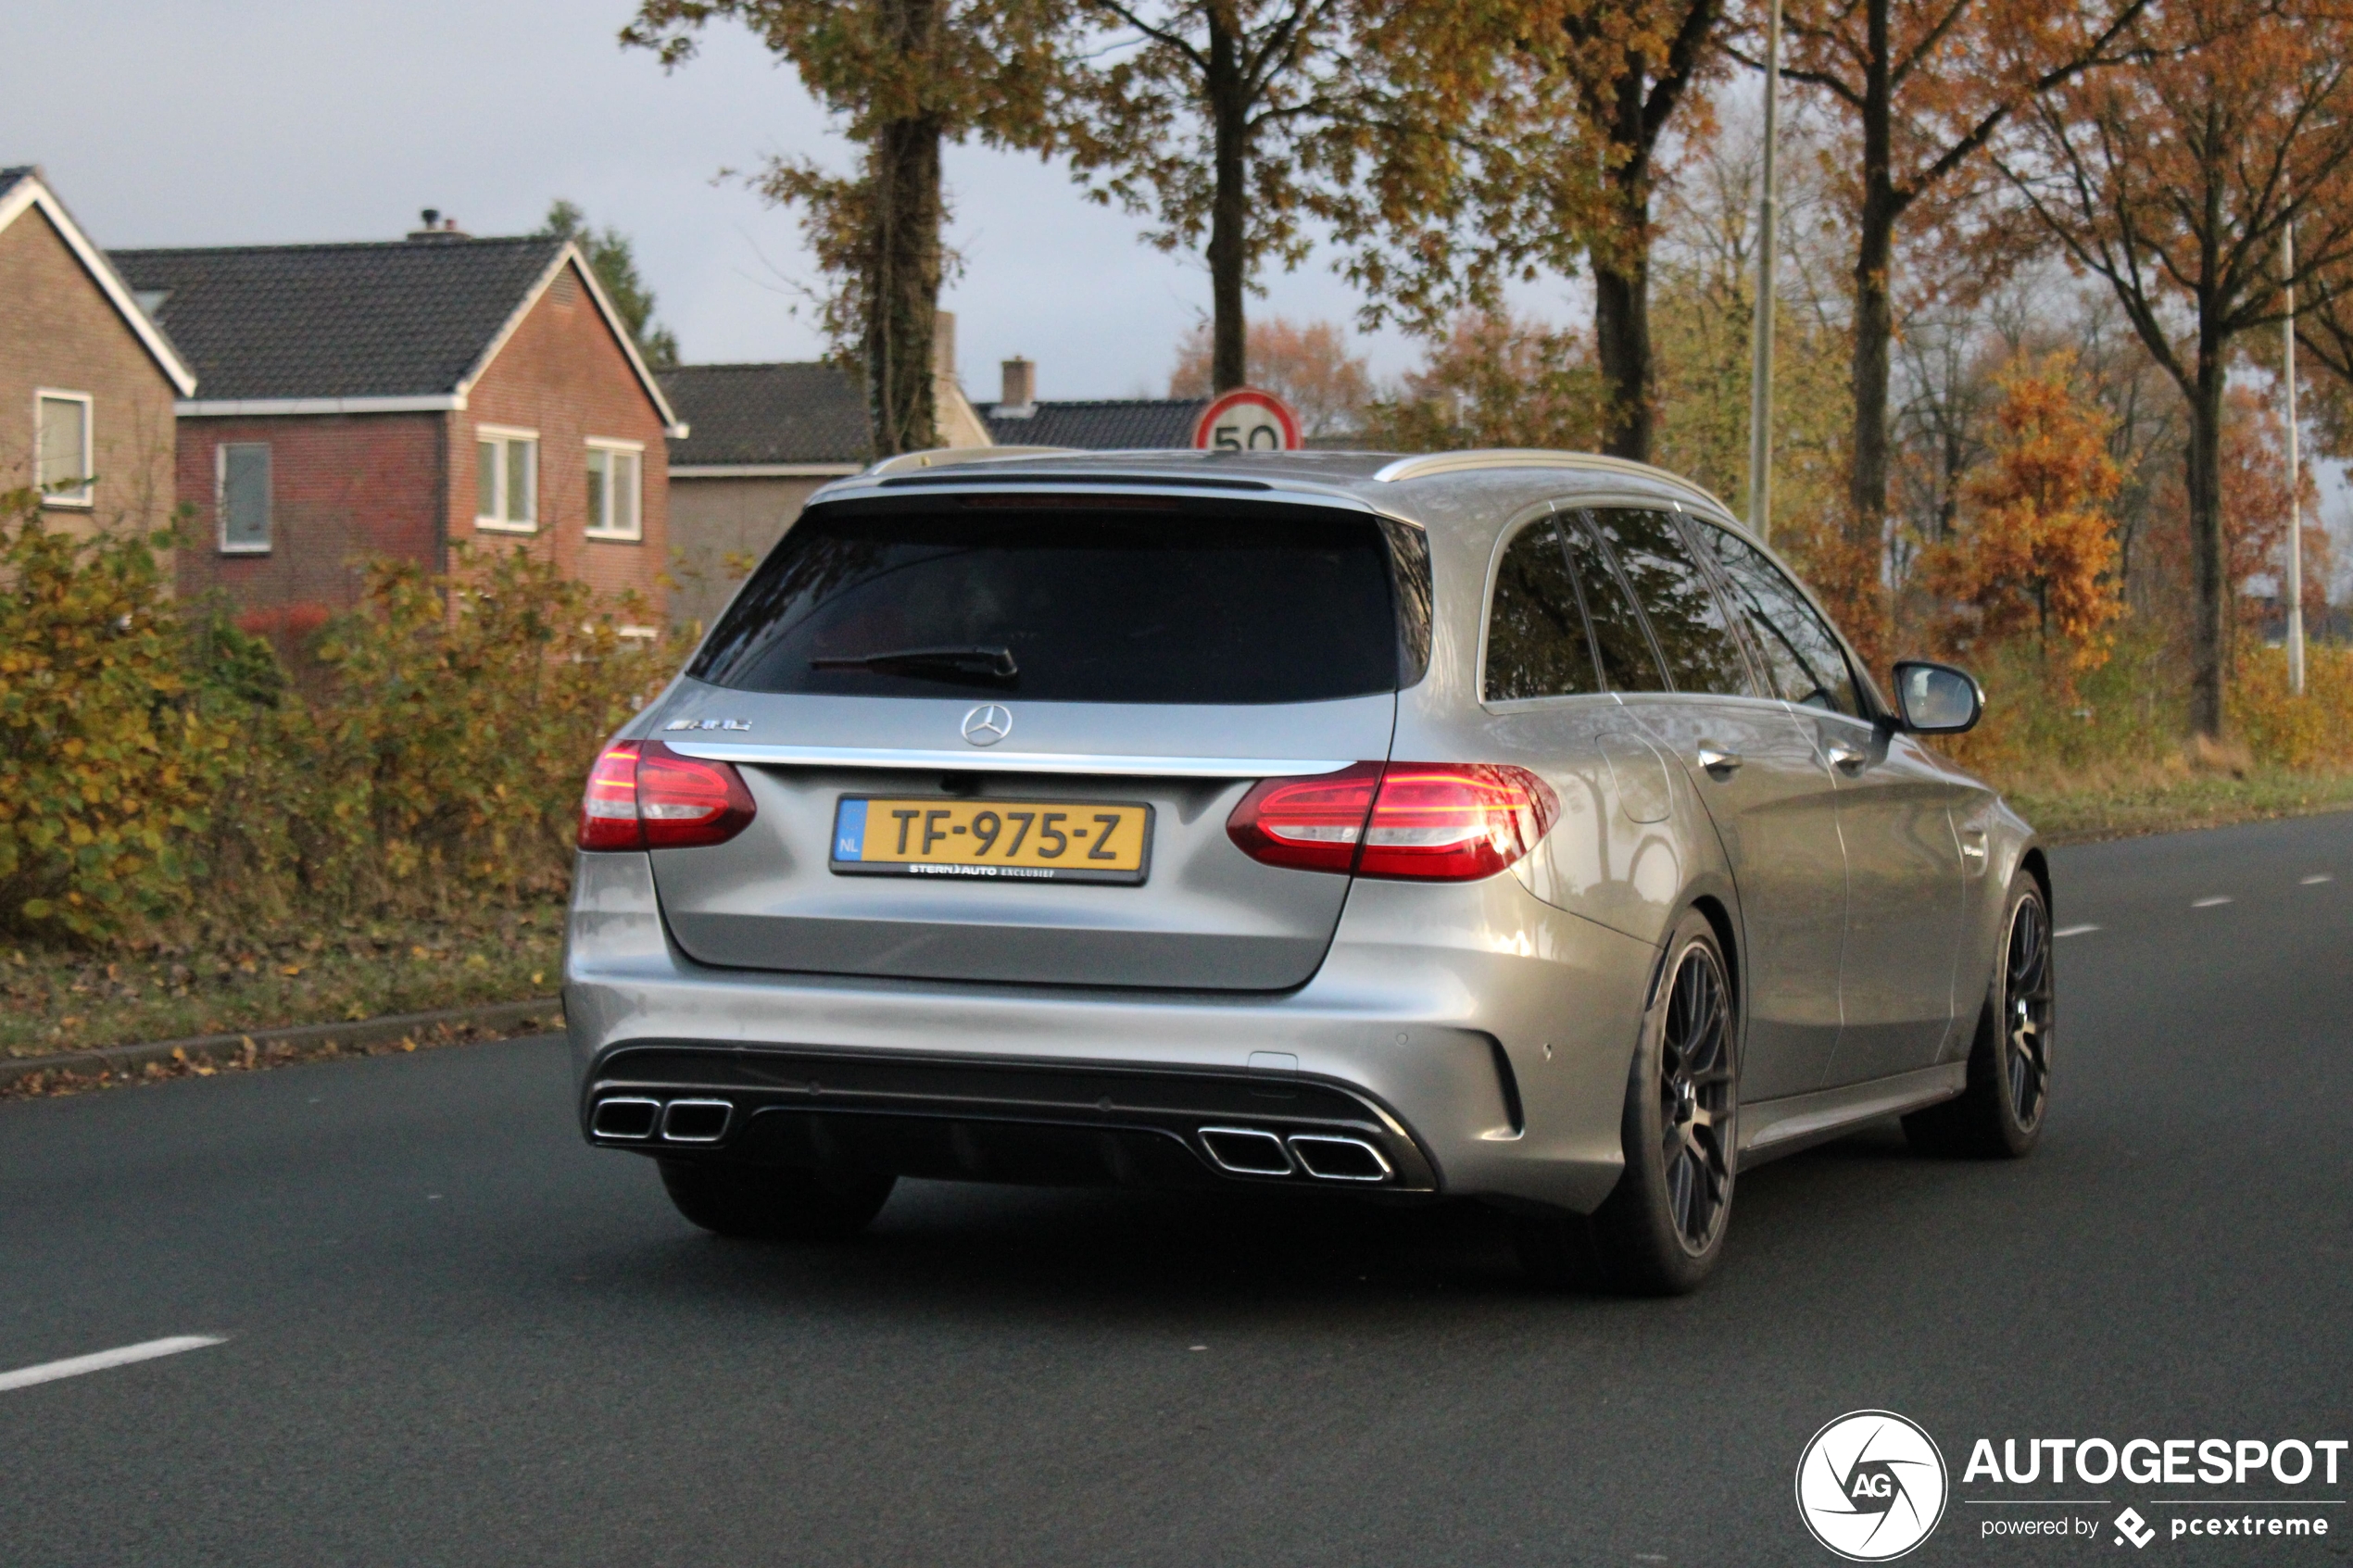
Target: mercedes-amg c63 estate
(1498,825)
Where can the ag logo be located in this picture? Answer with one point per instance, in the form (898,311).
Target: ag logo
(1871,1486)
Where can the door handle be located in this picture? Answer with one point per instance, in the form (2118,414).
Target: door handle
(1847,759)
(1719,761)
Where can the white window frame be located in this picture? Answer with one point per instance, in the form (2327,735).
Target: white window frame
(88,495)
(634,530)
(220,500)
(506,436)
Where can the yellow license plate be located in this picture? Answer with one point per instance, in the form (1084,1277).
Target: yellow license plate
(1012,840)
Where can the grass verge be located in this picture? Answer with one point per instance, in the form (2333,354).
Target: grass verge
(2082,809)
(64,1000)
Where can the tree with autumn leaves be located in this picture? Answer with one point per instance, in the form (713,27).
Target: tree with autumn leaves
(2037,549)
(907,77)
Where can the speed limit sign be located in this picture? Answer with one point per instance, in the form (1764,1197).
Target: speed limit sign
(1247,419)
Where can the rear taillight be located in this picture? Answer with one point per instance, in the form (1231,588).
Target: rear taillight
(1422,822)
(1312,824)
(644,796)
(1454,821)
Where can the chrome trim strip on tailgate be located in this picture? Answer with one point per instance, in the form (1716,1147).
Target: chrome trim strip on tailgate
(993,761)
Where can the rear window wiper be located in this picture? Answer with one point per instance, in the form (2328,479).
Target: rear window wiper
(971,663)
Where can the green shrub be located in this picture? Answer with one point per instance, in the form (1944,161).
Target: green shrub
(107,766)
(157,766)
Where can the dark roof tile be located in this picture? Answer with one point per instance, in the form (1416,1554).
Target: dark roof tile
(1112,424)
(400,319)
(807,413)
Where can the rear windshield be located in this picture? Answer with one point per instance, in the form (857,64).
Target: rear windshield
(1066,605)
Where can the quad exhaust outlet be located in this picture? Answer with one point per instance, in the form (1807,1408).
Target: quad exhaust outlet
(1325,1157)
(638,1119)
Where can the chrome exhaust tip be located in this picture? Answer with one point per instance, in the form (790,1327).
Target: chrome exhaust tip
(1246,1151)
(696,1121)
(625,1116)
(1329,1158)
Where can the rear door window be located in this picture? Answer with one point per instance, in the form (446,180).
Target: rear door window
(1800,652)
(1627,663)
(1062,602)
(1687,619)
(1536,644)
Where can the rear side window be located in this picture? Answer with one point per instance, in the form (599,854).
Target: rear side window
(1694,636)
(1801,653)
(1066,604)
(1625,649)
(1536,642)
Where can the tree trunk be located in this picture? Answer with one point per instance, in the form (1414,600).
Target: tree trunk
(1229,200)
(903,260)
(1874,314)
(2210,574)
(1621,263)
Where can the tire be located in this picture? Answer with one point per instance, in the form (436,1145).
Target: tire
(782,1204)
(1661,1230)
(2000,1114)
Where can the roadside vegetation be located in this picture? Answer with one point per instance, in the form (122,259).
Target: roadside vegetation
(197,835)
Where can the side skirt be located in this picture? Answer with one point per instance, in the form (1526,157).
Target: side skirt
(1774,1127)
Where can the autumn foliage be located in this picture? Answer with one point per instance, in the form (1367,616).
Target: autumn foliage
(2037,554)
(158,768)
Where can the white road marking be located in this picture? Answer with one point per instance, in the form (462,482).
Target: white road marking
(2316,881)
(74,1366)
(2075,931)
(2208,902)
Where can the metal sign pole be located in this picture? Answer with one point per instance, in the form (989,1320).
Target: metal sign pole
(1760,387)
(2294,501)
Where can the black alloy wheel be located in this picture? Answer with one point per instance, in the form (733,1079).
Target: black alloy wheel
(2028,995)
(2000,1115)
(1662,1228)
(1695,1100)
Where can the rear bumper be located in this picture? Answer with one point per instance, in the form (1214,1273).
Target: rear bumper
(974,1119)
(1472,1037)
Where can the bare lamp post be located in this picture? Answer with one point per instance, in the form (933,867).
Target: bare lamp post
(2295,499)
(1760,386)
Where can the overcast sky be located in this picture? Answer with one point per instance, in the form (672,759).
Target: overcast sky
(194,122)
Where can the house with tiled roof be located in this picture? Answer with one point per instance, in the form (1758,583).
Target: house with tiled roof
(87,381)
(403,399)
(760,438)
(1094,424)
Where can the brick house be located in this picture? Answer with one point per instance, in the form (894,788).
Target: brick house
(398,399)
(87,382)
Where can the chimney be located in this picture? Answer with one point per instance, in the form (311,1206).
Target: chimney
(436,227)
(1020,400)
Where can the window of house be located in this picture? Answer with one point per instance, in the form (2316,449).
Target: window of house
(506,479)
(62,429)
(616,497)
(241,485)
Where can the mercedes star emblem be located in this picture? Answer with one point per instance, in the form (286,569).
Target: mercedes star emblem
(988,724)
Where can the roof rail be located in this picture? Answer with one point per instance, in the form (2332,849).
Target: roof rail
(1534,457)
(943,456)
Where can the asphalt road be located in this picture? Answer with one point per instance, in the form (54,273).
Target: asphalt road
(454,1334)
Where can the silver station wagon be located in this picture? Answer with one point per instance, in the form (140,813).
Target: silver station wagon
(1495,825)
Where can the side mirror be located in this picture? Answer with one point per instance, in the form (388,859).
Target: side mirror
(1936,699)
